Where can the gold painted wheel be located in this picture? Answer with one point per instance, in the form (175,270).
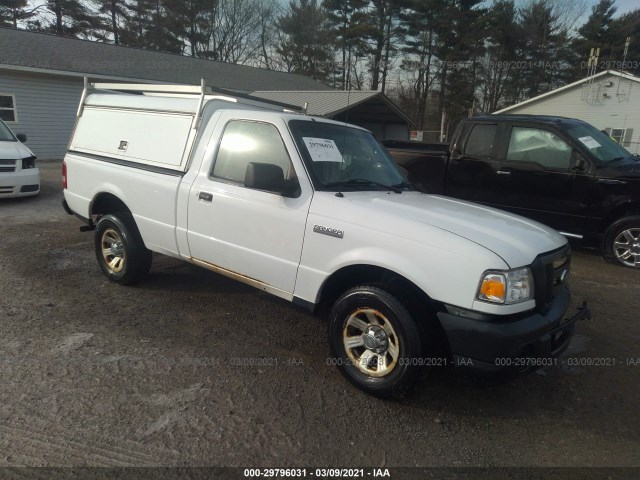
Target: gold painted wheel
(371,342)
(113,250)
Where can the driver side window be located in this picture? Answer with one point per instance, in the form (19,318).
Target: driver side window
(534,145)
(245,142)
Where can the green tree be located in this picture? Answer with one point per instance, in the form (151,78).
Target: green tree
(596,32)
(191,21)
(113,14)
(14,11)
(70,18)
(497,66)
(419,30)
(383,30)
(545,52)
(348,25)
(623,27)
(305,46)
(148,24)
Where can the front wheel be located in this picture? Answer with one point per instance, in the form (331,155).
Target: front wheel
(120,250)
(375,342)
(622,242)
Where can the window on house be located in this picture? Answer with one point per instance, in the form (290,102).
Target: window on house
(8,108)
(617,134)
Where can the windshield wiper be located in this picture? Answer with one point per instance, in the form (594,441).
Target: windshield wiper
(407,185)
(363,181)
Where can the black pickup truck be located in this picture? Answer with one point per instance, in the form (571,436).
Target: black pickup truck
(559,171)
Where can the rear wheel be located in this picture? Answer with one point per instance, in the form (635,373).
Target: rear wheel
(120,250)
(622,242)
(375,341)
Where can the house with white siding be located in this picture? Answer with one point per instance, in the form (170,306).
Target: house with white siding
(41,81)
(608,100)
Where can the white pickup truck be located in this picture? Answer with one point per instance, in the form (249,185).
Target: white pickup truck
(316,212)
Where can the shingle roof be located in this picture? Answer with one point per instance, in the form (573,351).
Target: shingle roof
(328,103)
(582,81)
(20,49)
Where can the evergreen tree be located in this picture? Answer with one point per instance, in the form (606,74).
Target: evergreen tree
(623,27)
(14,11)
(305,46)
(113,13)
(348,26)
(383,29)
(502,45)
(190,21)
(69,18)
(596,32)
(419,28)
(545,52)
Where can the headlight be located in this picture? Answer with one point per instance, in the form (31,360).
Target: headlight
(509,287)
(29,162)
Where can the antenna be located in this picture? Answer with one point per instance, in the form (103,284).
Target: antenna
(624,64)
(626,49)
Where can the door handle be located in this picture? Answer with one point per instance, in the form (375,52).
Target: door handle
(611,181)
(503,172)
(206,196)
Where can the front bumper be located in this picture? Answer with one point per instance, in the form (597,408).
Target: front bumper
(523,342)
(22,183)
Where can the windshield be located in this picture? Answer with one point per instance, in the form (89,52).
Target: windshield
(344,158)
(5,133)
(601,146)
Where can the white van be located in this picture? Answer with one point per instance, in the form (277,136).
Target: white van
(19,176)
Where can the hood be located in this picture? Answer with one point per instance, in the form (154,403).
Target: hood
(627,168)
(13,150)
(515,239)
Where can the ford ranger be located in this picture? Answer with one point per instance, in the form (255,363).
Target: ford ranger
(315,211)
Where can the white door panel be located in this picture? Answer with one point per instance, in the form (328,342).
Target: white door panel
(249,233)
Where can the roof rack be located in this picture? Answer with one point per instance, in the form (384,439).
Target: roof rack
(202,90)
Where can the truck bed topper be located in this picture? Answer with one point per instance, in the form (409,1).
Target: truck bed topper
(110,117)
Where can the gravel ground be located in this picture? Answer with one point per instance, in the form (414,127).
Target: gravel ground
(95,374)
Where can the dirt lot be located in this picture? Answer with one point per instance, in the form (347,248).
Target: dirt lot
(94,374)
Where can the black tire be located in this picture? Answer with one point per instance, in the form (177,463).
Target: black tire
(120,250)
(621,242)
(376,300)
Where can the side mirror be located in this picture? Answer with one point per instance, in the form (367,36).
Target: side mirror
(578,162)
(270,178)
(22,138)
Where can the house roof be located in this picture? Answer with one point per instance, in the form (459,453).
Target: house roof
(582,81)
(41,52)
(329,103)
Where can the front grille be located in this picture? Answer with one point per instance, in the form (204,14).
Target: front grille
(550,272)
(7,165)
(6,189)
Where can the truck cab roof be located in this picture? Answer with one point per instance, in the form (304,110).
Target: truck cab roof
(548,119)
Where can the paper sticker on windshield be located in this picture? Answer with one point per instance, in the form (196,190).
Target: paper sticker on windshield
(322,149)
(589,142)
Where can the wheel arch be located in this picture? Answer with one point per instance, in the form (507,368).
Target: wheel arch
(106,202)
(359,274)
(620,211)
